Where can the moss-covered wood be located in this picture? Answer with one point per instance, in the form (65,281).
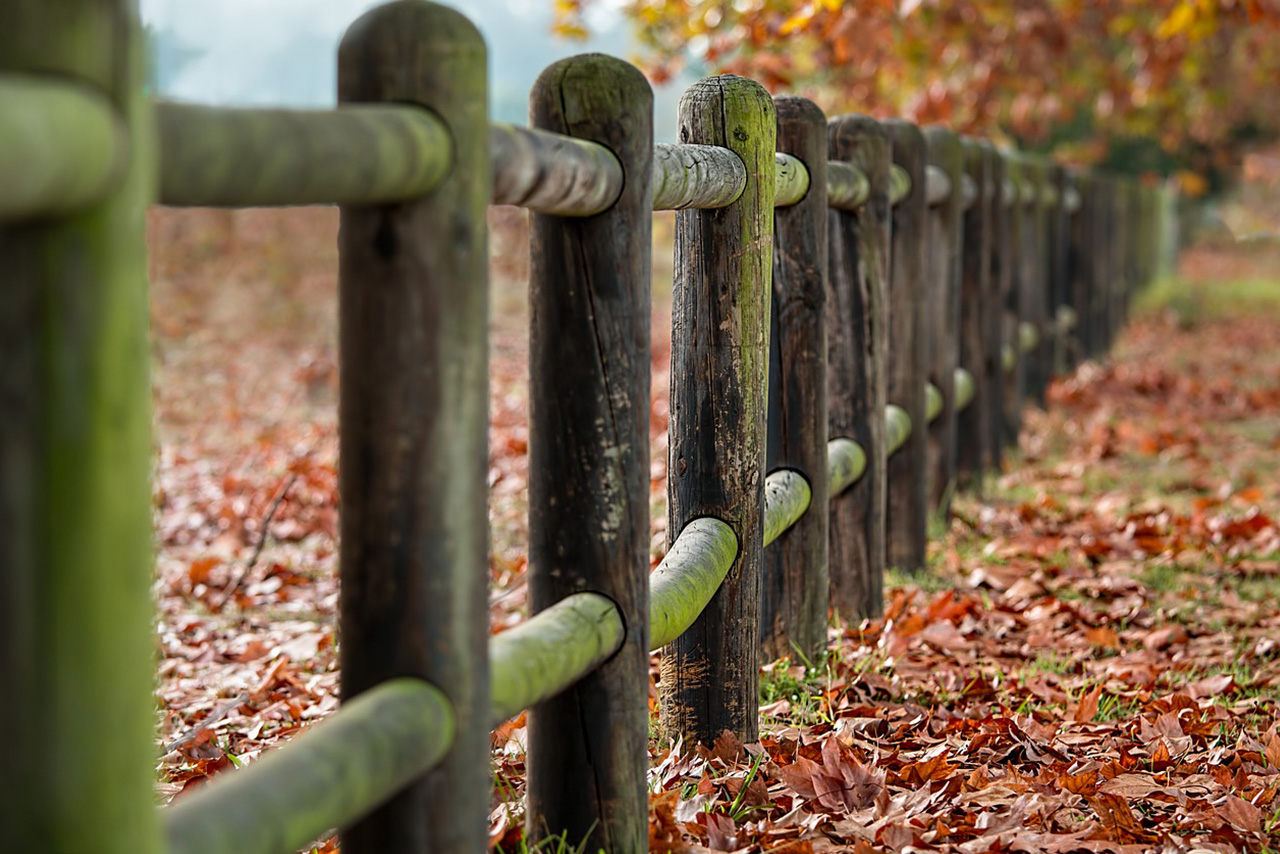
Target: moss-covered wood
(900,181)
(357,154)
(589,459)
(62,146)
(719,363)
(846,462)
(552,173)
(687,578)
(794,589)
(932,402)
(897,428)
(692,176)
(787,498)
(329,777)
(857,340)
(942,322)
(413,416)
(76,638)
(847,186)
(550,651)
(791,179)
(907,514)
(964,387)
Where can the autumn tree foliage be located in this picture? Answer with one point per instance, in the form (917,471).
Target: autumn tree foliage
(1195,77)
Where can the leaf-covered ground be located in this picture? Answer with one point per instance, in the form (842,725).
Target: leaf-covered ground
(1092,662)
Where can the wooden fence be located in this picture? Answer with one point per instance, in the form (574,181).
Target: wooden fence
(861,311)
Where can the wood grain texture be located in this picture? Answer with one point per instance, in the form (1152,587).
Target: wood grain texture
(693,176)
(589,459)
(942,305)
(857,339)
(552,173)
(359,154)
(907,502)
(794,589)
(719,365)
(76,553)
(973,431)
(413,334)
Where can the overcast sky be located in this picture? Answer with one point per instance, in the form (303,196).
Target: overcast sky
(282,52)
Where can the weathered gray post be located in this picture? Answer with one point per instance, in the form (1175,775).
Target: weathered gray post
(794,600)
(589,460)
(908,515)
(719,356)
(857,341)
(413,410)
(76,644)
(942,309)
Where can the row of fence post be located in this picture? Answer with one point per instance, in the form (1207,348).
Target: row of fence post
(861,310)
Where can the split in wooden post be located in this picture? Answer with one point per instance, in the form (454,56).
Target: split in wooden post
(413,410)
(589,459)
(719,364)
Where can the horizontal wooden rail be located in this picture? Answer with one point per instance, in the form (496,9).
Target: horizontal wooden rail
(846,462)
(786,498)
(897,428)
(937,185)
(1028,336)
(687,578)
(1008,192)
(933,402)
(847,186)
(1008,358)
(551,650)
(791,180)
(62,147)
(697,177)
(968,191)
(330,776)
(899,183)
(355,154)
(552,173)
(965,389)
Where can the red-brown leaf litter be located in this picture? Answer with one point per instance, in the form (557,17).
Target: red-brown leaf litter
(1091,662)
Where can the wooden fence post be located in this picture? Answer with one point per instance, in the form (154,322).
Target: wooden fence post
(995,324)
(413,410)
(1035,277)
(979,350)
(76,563)
(719,364)
(1013,267)
(908,512)
(1058,224)
(942,307)
(795,591)
(589,460)
(858,300)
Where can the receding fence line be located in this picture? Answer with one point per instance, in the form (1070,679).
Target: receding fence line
(887,384)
